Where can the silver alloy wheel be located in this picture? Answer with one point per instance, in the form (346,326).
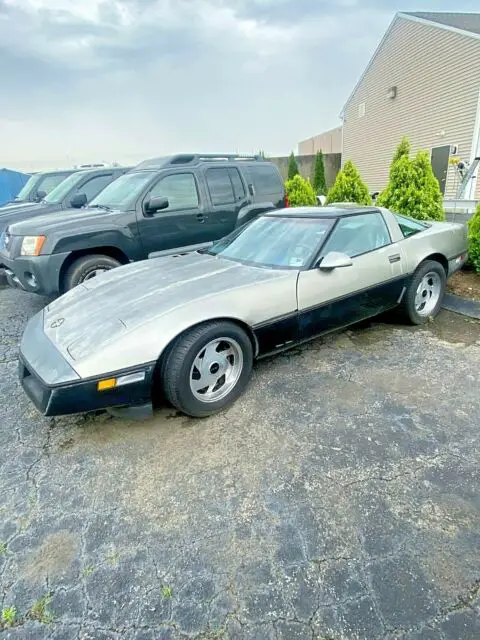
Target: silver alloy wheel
(428,293)
(216,369)
(93,273)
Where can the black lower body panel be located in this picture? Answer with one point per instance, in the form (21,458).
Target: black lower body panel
(82,396)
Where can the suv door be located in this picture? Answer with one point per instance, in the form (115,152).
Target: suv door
(228,194)
(342,296)
(266,184)
(182,223)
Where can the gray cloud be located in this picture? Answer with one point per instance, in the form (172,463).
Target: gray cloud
(93,79)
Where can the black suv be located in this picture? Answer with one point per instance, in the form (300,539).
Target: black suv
(162,204)
(39,186)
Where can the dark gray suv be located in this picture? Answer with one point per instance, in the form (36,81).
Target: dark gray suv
(162,204)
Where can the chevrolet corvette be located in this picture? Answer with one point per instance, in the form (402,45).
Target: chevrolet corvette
(188,324)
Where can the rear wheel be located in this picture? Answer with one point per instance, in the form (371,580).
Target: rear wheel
(207,368)
(425,293)
(86,268)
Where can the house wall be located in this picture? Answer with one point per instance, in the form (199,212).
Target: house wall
(328,142)
(437,75)
(331,162)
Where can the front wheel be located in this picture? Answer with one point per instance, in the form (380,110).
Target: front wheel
(207,368)
(425,293)
(86,268)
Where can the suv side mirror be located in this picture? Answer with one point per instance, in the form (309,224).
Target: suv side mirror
(156,204)
(40,195)
(335,260)
(78,201)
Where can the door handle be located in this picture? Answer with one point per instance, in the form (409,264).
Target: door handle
(201,217)
(394,258)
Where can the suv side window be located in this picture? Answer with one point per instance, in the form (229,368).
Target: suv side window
(355,235)
(220,186)
(50,182)
(92,187)
(408,226)
(180,189)
(237,183)
(266,179)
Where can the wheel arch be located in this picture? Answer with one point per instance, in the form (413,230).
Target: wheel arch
(436,257)
(225,318)
(111,252)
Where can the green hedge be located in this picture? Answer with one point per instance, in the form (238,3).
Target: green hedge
(300,192)
(474,240)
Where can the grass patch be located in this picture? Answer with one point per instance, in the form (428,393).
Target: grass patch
(88,571)
(39,610)
(3,548)
(9,616)
(166,591)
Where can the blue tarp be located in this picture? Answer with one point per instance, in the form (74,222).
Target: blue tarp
(10,184)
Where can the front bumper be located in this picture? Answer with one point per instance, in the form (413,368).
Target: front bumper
(55,388)
(40,274)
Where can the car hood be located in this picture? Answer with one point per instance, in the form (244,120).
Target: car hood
(99,311)
(19,212)
(43,224)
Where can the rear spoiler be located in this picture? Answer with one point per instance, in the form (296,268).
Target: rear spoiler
(180,251)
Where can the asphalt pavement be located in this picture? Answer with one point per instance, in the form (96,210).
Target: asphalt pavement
(338,498)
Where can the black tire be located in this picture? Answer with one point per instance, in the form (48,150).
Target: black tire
(83,268)
(409,308)
(177,365)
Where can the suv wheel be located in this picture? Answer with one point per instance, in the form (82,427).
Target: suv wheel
(88,267)
(207,368)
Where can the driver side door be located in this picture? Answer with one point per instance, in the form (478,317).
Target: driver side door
(330,299)
(179,224)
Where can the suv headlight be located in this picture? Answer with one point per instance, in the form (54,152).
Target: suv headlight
(32,245)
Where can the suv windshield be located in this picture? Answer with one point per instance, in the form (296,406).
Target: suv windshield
(27,187)
(57,195)
(275,241)
(122,191)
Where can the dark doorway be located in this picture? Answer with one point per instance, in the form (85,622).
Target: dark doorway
(440,156)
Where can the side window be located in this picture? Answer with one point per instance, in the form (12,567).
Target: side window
(409,227)
(220,186)
(355,235)
(180,189)
(266,180)
(92,187)
(237,183)
(50,182)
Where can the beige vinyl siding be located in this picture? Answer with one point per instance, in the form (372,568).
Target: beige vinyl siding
(328,142)
(437,75)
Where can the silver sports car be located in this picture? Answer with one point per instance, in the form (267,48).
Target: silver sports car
(188,326)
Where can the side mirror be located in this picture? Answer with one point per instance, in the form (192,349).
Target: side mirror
(321,200)
(78,201)
(40,195)
(156,204)
(335,260)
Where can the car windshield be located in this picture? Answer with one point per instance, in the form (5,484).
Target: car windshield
(57,195)
(120,193)
(275,241)
(27,187)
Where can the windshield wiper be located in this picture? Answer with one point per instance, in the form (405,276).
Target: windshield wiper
(100,206)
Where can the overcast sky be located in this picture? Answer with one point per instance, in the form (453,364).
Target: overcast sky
(93,80)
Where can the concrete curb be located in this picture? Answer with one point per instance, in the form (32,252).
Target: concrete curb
(463,306)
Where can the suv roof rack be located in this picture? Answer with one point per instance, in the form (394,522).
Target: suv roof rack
(195,158)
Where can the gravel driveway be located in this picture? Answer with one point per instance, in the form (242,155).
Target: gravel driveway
(339,498)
